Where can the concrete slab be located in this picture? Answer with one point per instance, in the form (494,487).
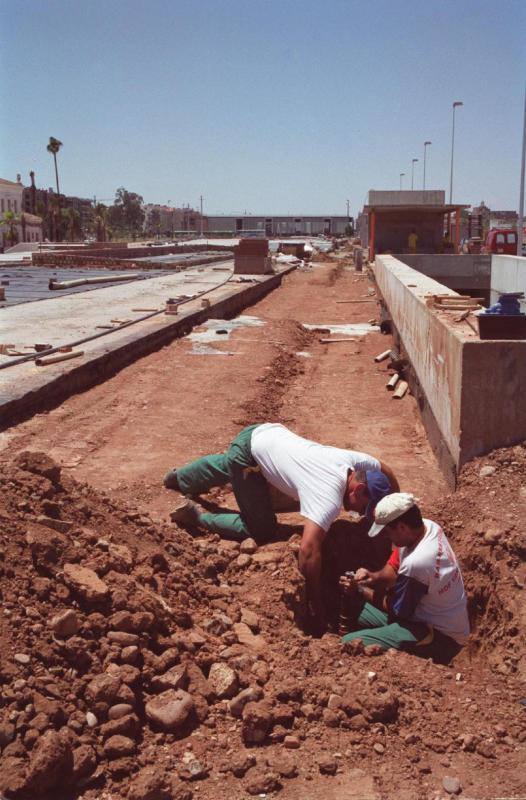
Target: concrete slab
(26,388)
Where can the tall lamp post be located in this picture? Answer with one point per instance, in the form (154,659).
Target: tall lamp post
(413,172)
(426,145)
(456,104)
(520,226)
(402,175)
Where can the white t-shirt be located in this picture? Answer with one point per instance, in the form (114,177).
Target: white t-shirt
(433,564)
(312,473)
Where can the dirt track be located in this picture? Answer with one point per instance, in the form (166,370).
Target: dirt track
(364,728)
(173,405)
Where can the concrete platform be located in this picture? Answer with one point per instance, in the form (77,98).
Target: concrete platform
(26,388)
(470,392)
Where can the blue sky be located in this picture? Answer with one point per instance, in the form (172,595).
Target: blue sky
(270,106)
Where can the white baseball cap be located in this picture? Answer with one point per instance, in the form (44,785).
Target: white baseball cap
(390,508)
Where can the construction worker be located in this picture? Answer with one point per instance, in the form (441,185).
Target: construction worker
(412,241)
(322,479)
(417,601)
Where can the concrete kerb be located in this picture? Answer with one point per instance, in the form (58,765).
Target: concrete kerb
(49,388)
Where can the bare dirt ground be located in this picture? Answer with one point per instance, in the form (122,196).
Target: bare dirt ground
(107,608)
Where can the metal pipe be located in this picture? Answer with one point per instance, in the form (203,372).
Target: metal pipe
(455,105)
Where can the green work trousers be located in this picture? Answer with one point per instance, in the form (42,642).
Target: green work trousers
(237,467)
(375,628)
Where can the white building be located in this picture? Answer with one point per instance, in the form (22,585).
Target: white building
(27,227)
(299,225)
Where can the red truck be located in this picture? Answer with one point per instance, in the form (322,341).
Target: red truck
(501,240)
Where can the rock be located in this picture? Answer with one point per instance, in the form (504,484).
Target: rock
(250,618)
(174,678)
(327,765)
(492,535)
(119,747)
(379,748)
(65,624)
(124,638)
(22,658)
(238,703)
(148,784)
(487,471)
(86,583)
(91,719)
(451,785)
(119,710)
(218,624)
(51,763)
(261,672)
(103,688)
(7,734)
(486,748)
(124,726)
(241,763)
(245,636)
(248,546)
(192,769)
(223,680)
(334,702)
(59,525)
(284,765)
(262,782)
(84,762)
(130,655)
(243,560)
(257,722)
(39,464)
(170,710)
(291,742)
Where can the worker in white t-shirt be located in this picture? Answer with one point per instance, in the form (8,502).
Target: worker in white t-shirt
(417,601)
(321,479)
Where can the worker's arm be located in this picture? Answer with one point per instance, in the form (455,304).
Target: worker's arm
(391,477)
(310,566)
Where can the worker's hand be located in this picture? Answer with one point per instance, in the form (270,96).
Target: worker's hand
(347,584)
(364,577)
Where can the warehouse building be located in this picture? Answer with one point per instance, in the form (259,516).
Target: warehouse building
(300,225)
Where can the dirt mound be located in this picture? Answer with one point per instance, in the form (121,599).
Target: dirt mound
(138,662)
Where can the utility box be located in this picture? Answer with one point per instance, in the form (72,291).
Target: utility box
(251,257)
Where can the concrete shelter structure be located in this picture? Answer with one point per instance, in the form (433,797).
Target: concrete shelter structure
(393,216)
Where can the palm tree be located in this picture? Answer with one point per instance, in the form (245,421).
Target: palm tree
(10,220)
(100,222)
(53,147)
(71,218)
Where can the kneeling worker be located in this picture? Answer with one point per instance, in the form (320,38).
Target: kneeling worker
(322,479)
(425,608)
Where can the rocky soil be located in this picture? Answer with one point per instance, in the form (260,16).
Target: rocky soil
(137,662)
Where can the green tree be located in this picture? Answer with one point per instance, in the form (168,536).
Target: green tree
(126,214)
(71,222)
(10,220)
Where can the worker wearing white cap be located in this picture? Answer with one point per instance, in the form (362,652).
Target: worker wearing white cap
(424,606)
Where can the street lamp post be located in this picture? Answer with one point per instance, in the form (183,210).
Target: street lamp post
(520,226)
(456,104)
(426,144)
(413,172)
(402,175)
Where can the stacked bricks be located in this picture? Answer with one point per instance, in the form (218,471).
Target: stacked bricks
(251,257)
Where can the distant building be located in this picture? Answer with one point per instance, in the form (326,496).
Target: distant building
(165,220)
(503,219)
(26,227)
(277,225)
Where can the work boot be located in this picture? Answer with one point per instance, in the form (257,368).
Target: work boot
(170,480)
(186,513)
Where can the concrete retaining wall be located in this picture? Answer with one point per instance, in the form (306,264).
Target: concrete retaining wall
(508,274)
(469,391)
(464,273)
(102,256)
